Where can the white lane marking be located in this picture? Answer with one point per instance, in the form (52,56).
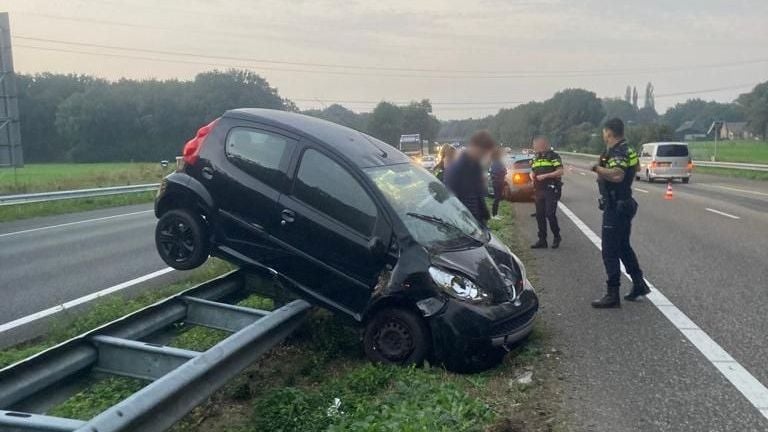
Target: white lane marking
(78,301)
(640,190)
(74,223)
(755,392)
(742,190)
(721,213)
(582,173)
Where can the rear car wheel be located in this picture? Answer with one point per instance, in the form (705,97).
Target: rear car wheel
(396,336)
(182,240)
(686,180)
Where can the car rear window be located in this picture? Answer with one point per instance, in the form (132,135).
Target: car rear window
(522,164)
(672,150)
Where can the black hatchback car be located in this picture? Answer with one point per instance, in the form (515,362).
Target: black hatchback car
(351,224)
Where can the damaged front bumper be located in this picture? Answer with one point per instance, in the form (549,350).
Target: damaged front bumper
(462,330)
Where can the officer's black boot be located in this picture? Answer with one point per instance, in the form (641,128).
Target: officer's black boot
(610,300)
(639,288)
(541,244)
(556,242)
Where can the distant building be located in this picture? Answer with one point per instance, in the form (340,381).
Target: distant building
(689,131)
(732,131)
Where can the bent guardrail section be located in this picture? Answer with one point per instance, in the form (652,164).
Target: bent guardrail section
(180,379)
(79,193)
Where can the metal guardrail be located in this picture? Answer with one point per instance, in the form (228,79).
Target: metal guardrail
(180,379)
(79,193)
(731,165)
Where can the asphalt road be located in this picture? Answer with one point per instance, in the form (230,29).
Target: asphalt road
(631,369)
(47,261)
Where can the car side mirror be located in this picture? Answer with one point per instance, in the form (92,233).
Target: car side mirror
(376,246)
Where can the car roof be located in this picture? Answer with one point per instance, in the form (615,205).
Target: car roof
(360,149)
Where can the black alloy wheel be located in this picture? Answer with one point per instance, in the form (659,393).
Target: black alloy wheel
(181,239)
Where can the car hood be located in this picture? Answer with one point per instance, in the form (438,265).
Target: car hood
(491,266)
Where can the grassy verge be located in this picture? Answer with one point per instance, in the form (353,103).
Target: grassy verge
(319,380)
(54,177)
(747,151)
(106,310)
(52,208)
(729,172)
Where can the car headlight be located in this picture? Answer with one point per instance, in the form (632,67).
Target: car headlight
(457,286)
(523,274)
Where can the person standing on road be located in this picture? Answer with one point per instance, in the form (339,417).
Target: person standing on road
(465,177)
(546,173)
(445,157)
(615,174)
(498,180)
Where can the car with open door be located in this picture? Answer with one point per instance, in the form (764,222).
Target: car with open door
(351,224)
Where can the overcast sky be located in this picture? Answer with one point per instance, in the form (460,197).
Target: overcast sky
(469,58)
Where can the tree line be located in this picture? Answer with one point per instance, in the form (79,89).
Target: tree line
(79,118)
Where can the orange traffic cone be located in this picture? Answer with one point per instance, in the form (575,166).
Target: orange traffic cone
(668,195)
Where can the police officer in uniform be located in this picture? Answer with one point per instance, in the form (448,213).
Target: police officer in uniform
(615,174)
(546,172)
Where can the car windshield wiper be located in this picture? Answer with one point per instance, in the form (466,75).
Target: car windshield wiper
(442,222)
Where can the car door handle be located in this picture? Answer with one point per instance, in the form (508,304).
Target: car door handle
(288,216)
(207,173)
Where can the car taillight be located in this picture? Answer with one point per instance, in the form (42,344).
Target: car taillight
(653,164)
(192,147)
(690,165)
(518,178)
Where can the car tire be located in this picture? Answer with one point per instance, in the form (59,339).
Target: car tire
(397,336)
(181,238)
(686,180)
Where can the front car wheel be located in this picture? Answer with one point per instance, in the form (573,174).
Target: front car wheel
(397,336)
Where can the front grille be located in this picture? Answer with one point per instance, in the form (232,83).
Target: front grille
(506,327)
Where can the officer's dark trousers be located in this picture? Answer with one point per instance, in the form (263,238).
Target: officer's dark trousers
(617,228)
(546,210)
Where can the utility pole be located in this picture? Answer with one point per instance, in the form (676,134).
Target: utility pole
(10,135)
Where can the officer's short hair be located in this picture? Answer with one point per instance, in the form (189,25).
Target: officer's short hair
(615,125)
(482,139)
(542,138)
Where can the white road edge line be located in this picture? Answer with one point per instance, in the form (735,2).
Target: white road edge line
(755,392)
(640,190)
(721,213)
(78,301)
(74,223)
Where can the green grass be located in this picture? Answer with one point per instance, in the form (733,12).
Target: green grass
(731,151)
(52,208)
(54,177)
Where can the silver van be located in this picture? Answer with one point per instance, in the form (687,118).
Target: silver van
(665,160)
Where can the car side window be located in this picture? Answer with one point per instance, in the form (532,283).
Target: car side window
(260,153)
(329,188)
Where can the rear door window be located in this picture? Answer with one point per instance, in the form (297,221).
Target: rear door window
(329,188)
(672,150)
(260,153)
